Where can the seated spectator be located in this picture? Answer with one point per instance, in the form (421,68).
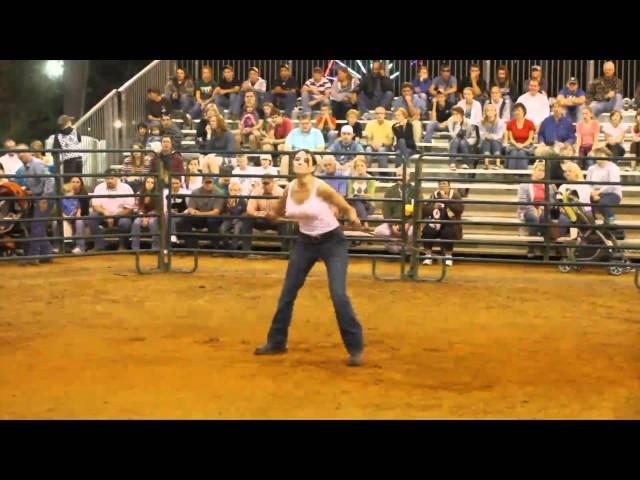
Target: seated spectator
(154,138)
(218,140)
(40,155)
(193,178)
(359,191)
(519,139)
(379,133)
(249,132)
(68,138)
(614,133)
(305,137)
(352,121)
(573,173)
(142,134)
(10,161)
(233,205)
(507,86)
(202,212)
(439,211)
(421,85)
(316,91)
(557,168)
(330,169)
(78,188)
(266,166)
(463,137)
(477,85)
(326,123)
(147,207)
(344,93)
(403,131)
(278,129)
(393,212)
(604,197)
(259,211)
(201,130)
(171,160)
(375,90)
(440,114)
(604,94)
(345,144)
(472,108)
(156,105)
(227,93)
(30,165)
(587,132)
(136,166)
(284,93)
(537,105)
(445,83)
(635,143)
(554,131)
(178,205)
(71,209)
(38,229)
(179,90)
(255,84)
(492,129)
(171,129)
(247,184)
(573,99)
(502,104)
(414,106)
(536,74)
(105,206)
(204,89)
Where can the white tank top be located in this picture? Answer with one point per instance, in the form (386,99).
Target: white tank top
(314,215)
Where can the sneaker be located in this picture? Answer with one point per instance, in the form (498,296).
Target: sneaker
(76,250)
(452,166)
(428,261)
(627,169)
(355,360)
(465,166)
(174,239)
(448,263)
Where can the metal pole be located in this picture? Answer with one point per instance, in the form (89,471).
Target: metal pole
(591,69)
(487,72)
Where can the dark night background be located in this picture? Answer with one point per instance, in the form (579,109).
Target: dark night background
(30,102)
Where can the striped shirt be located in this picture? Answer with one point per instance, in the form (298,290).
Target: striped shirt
(323,85)
(129,167)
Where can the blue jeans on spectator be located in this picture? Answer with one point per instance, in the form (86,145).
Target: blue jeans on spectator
(574,114)
(383,160)
(491,147)
(38,229)
(332,249)
(153,230)
(607,200)
(249,223)
(306,98)
(286,101)
(521,162)
(565,224)
(196,111)
(184,102)
(234,227)
(403,151)
(188,223)
(532,217)
(229,101)
(366,103)
(363,208)
(78,229)
(433,127)
(123,225)
(608,106)
(460,145)
(340,109)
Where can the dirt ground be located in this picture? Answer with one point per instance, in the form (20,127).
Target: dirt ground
(90,338)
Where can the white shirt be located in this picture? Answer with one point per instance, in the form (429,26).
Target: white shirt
(314,215)
(476,111)
(246,183)
(113,205)
(610,130)
(537,107)
(11,163)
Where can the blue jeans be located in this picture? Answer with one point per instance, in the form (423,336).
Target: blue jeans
(229,101)
(366,103)
(286,101)
(574,114)
(531,217)
(460,145)
(339,109)
(332,249)
(383,160)
(607,200)
(196,111)
(261,223)
(184,102)
(404,152)
(123,225)
(614,103)
(153,230)
(362,207)
(431,128)
(521,162)
(491,147)
(306,97)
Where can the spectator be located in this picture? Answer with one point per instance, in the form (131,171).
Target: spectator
(171,129)
(247,184)
(68,138)
(463,136)
(227,93)
(537,105)
(519,139)
(10,161)
(536,74)
(573,99)
(38,230)
(556,170)
(414,106)
(573,173)
(345,144)
(142,134)
(604,94)
(344,94)
(477,85)
(614,133)
(179,90)
(440,114)
(147,208)
(502,104)
(155,137)
(156,105)
(393,212)
(472,108)
(283,95)
(316,91)
(78,226)
(202,212)
(508,88)
(136,166)
(219,139)
(234,205)
(360,190)
(71,209)
(636,97)
(204,89)
(305,137)
(421,85)
(250,123)
(403,131)
(375,90)
(277,131)
(635,143)
(587,132)
(439,211)
(38,186)
(492,130)
(106,206)
(77,185)
(169,158)
(255,84)
(40,155)
(193,178)
(379,133)
(445,83)
(352,121)
(604,197)
(201,130)
(331,170)
(178,206)
(555,130)
(259,209)
(266,166)
(326,123)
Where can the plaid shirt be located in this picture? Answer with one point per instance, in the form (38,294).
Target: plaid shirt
(599,88)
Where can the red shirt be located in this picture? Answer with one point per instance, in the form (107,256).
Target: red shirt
(281,131)
(538,192)
(521,135)
(320,121)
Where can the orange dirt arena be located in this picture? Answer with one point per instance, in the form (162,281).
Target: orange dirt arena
(90,338)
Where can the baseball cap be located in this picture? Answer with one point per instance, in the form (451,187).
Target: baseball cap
(265,156)
(347,129)
(572,80)
(62,119)
(254,69)
(536,67)
(284,65)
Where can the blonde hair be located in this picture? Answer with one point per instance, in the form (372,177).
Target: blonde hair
(485,120)
(67,188)
(538,164)
(360,159)
(403,111)
(575,168)
(353,111)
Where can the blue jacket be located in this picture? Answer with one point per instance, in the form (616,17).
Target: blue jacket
(560,131)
